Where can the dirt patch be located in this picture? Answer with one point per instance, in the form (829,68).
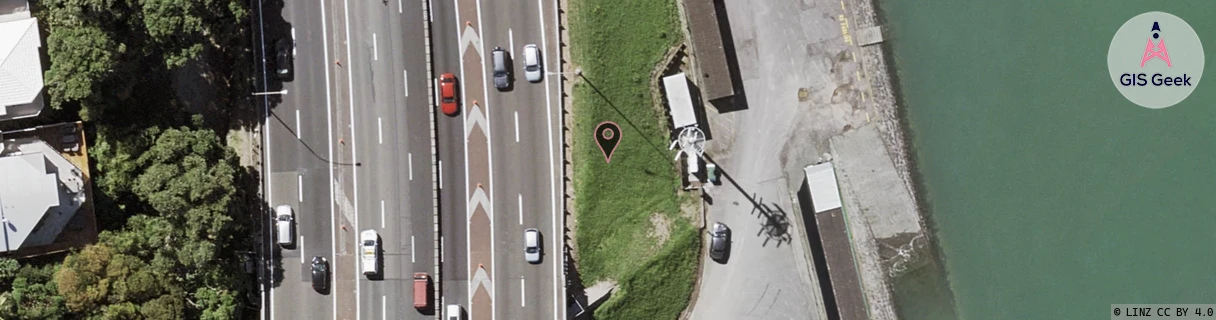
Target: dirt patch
(661,230)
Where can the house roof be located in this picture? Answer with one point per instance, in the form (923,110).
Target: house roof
(21,67)
(40,191)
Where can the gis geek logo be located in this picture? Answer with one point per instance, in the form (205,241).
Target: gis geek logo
(1146,70)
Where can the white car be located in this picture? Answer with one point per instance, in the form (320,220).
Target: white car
(285,219)
(454,312)
(532,245)
(532,70)
(370,242)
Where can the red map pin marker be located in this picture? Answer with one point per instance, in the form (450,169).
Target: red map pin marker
(607,136)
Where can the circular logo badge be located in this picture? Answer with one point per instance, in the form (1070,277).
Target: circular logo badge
(1155,60)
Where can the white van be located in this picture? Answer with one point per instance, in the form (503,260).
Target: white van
(285,219)
(454,312)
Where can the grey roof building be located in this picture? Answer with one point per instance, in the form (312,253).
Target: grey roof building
(40,193)
(21,83)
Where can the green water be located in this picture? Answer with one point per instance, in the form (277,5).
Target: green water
(1051,195)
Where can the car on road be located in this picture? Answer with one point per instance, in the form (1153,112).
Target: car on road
(454,312)
(532,245)
(422,290)
(532,69)
(283,59)
(719,242)
(370,241)
(447,93)
(502,69)
(285,223)
(320,274)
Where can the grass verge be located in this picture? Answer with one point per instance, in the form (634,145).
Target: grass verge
(629,227)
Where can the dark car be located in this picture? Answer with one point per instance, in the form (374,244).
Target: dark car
(719,242)
(502,69)
(283,59)
(447,93)
(320,274)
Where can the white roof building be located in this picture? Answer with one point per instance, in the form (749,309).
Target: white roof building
(21,86)
(40,192)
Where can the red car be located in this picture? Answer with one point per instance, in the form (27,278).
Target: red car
(447,93)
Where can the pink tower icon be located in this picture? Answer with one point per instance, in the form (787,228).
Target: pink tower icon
(1156,51)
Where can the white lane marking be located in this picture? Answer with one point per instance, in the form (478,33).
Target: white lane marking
(329,128)
(375,53)
(266,179)
(521,209)
(412,249)
(298,137)
(350,87)
(523,299)
(485,89)
(511,40)
(410,157)
(442,252)
(380,129)
(405,80)
(384,304)
(399,6)
(381,214)
(557,307)
(301,249)
(436,86)
(517,126)
(440,174)
(300,186)
(430,12)
(293,42)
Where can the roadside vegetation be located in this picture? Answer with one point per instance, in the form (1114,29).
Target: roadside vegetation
(169,194)
(629,226)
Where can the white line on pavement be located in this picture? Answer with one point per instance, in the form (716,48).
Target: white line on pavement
(300,186)
(430,12)
(375,53)
(405,81)
(523,299)
(511,40)
(440,174)
(380,129)
(301,249)
(445,249)
(412,249)
(540,4)
(350,87)
(436,86)
(399,6)
(298,137)
(329,128)
(383,307)
(517,126)
(521,209)
(485,89)
(381,214)
(410,157)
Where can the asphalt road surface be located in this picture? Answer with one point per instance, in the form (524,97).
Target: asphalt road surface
(359,103)
(515,135)
(349,147)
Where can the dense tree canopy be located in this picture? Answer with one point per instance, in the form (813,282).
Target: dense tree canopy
(165,188)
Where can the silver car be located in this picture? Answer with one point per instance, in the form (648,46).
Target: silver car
(532,245)
(532,69)
(719,242)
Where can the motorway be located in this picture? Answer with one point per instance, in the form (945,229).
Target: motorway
(349,146)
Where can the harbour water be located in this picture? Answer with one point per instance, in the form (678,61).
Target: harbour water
(1051,196)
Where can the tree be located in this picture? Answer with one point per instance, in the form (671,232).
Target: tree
(188,176)
(81,58)
(35,295)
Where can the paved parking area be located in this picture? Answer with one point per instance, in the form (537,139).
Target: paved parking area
(803,85)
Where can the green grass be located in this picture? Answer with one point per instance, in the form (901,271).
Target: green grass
(617,43)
